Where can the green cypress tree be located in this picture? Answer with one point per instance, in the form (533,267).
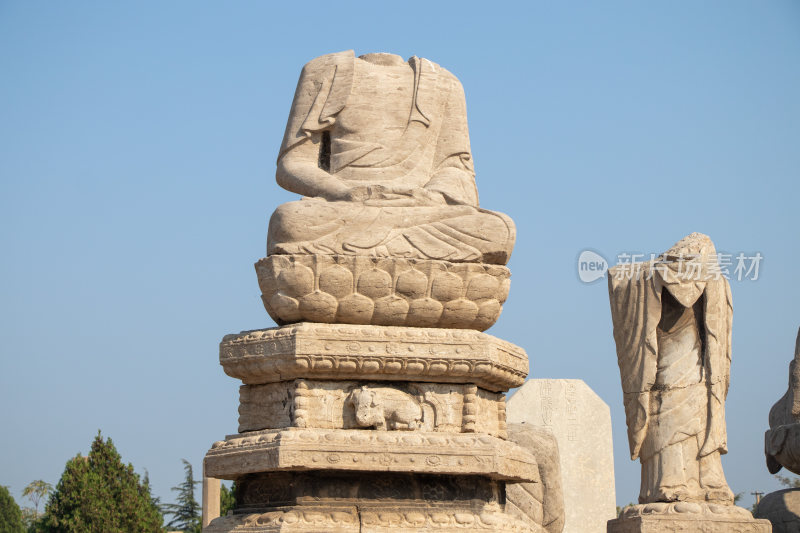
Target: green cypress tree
(99,494)
(10,514)
(227,499)
(185,511)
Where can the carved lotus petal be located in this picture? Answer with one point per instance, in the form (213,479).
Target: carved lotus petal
(319,307)
(375,284)
(446,286)
(458,313)
(488,313)
(505,285)
(391,310)
(355,309)
(286,307)
(337,281)
(424,313)
(482,286)
(296,280)
(412,283)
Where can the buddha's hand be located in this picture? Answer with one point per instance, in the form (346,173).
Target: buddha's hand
(364,193)
(419,196)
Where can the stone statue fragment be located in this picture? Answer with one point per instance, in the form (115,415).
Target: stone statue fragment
(379,148)
(782,441)
(672,327)
(782,450)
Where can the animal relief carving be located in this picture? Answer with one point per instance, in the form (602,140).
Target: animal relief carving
(385,408)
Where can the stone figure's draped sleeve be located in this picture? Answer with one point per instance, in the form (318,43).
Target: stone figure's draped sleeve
(322,91)
(635,312)
(454,175)
(718,322)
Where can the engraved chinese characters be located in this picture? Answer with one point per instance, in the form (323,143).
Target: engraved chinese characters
(581,424)
(672,328)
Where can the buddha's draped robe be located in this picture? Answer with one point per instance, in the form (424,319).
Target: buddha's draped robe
(672,330)
(387,127)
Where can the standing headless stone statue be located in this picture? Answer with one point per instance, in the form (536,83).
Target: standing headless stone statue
(672,327)
(782,450)
(378,405)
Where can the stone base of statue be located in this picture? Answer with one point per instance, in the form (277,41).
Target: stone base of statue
(350,289)
(385,517)
(687,517)
(374,428)
(782,509)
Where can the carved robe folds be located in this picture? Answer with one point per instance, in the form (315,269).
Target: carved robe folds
(380,149)
(672,327)
(378,405)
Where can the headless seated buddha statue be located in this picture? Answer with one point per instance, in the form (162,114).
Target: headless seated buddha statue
(379,149)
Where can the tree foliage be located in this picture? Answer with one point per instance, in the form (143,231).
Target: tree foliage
(10,514)
(36,491)
(788,482)
(227,499)
(99,494)
(185,511)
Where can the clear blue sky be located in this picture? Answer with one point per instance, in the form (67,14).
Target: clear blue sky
(137,156)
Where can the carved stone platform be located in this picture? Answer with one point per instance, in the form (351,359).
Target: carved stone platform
(342,351)
(444,407)
(687,517)
(382,291)
(374,518)
(297,449)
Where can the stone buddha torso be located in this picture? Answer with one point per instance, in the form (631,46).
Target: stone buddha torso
(379,147)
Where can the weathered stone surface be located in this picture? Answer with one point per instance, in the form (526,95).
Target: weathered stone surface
(782,509)
(382,291)
(686,517)
(444,407)
(341,351)
(672,327)
(379,147)
(538,503)
(379,407)
(782,440)
(386,517)
(370,451)
(581,424)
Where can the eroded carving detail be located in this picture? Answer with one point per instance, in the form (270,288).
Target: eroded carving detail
(392,183)
(385,408)
(672,327)
(327,351)
(782,440)
(385,292)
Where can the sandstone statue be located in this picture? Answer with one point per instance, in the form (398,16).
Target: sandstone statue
(672,327)
(384,408)
(782,441)
(379,148)
(782,450)
(378,404)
